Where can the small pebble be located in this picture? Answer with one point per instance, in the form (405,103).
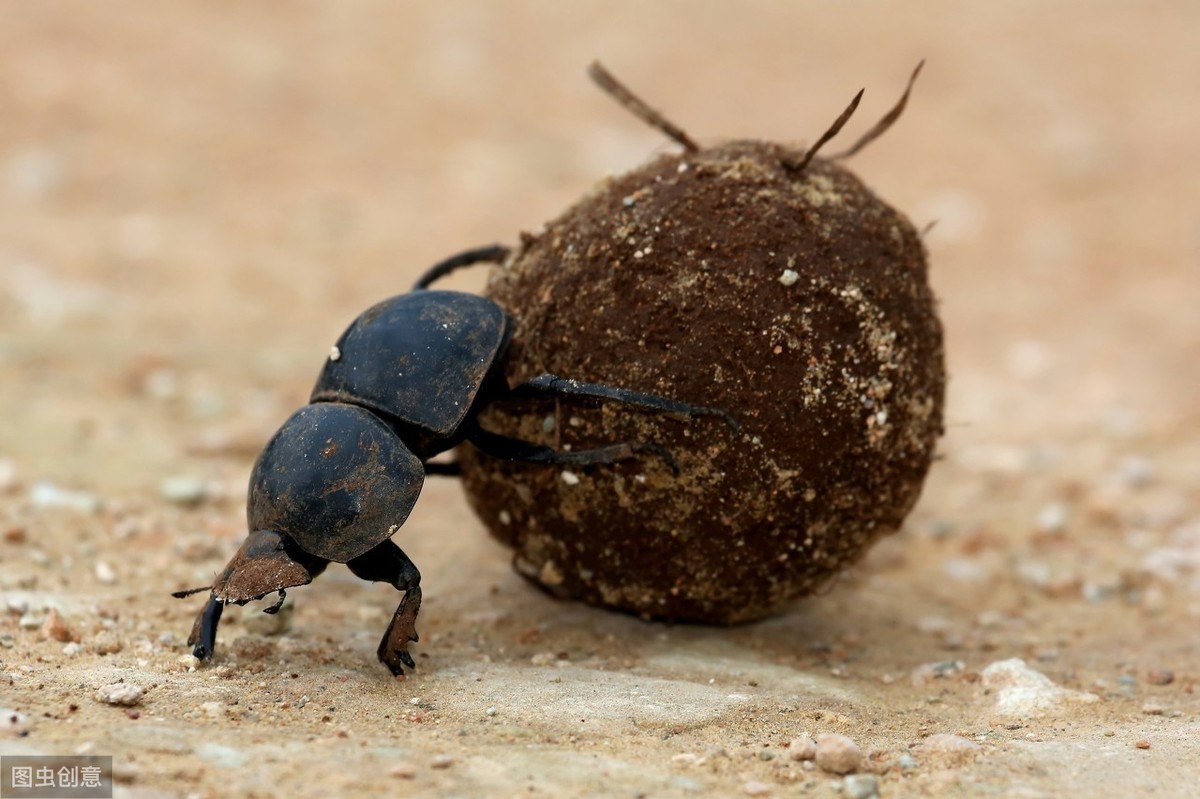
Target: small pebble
(1160,677)
(8,475)
(1135,472)
(838,754)
(802,748)
(13,723)
(789,277)
(105,642)
(72,649)
(105,573)
(1052,519)
(756,788)
(47,495)
(442,761)
(1142,744)
(404,771)
(948,747)
(861,786)
(182,490)
(1022,692)
(54,628)
(119,694)
(941,670)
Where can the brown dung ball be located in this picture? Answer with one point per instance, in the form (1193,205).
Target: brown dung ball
(739,277)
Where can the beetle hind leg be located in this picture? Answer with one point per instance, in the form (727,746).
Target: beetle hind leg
(387,563)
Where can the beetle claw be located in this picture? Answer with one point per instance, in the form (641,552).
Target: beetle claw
(393,648)
(278,604)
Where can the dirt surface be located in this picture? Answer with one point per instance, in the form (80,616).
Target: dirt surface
(196,199)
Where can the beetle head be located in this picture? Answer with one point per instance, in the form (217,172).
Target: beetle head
(265,563)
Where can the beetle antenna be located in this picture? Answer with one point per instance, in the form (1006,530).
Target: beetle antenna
(636,106)
(798,166)
(888,119)
(187,592)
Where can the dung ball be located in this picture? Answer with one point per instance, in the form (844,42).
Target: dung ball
(739,277)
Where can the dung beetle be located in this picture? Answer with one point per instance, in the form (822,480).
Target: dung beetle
(405,382)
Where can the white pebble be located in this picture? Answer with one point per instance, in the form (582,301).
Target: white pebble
(789,277)
(1136,472)
(8,475)
(182,489)
(861,786)
(47,495)
(1052,519)
(105,573)
(1022,692)
(13,723)
(570,478)
(119,693)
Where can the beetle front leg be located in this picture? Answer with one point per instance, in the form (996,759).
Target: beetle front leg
(393,647)
(204,630)
(387,563)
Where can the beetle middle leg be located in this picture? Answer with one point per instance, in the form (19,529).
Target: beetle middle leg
(548,385)
(387,563)
(516,449)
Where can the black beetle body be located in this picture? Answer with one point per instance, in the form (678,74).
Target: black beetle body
(404,383)
(421,361)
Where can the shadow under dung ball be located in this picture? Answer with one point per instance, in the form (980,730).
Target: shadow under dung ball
(750,276)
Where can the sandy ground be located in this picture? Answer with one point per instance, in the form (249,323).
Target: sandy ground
(195,199)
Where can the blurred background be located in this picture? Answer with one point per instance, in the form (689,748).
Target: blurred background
(204,194)
(197,197)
